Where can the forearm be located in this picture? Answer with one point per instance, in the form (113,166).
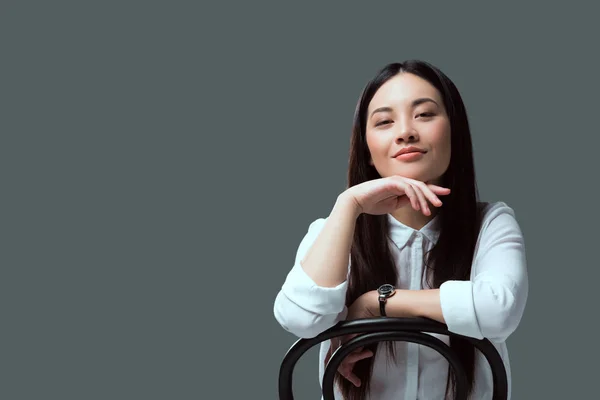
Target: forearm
(415,303)
(326,263)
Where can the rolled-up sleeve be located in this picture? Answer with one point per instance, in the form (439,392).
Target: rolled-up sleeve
(301,306)
(491,304)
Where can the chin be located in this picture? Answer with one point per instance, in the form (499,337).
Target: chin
(411,174)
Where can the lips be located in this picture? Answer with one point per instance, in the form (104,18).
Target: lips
(410,149)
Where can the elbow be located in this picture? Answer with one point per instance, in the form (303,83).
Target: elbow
(298,321)
(499,311)
(301,328)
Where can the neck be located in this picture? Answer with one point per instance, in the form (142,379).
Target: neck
(413,218)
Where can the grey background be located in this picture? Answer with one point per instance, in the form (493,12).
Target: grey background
(162,161)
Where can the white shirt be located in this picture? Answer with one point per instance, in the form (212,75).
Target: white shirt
(489,305)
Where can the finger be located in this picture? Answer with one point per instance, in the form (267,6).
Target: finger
(431,196)
(346,372)
(438,189)
(352,378)
(354,357)
(412,195)
(398,186)
(358,350)
(429,192)
(422,200)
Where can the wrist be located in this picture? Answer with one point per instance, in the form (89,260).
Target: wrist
(372,302)
(399,305)
(348,205)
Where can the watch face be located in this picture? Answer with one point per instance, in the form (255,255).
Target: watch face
(386,289)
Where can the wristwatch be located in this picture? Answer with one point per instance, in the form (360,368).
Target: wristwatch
(385,291)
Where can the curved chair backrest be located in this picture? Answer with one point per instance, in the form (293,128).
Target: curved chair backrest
(373,330)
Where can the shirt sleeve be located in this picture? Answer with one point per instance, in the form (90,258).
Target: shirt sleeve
(301,306)
(491,304)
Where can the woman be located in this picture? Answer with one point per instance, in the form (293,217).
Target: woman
(410,218)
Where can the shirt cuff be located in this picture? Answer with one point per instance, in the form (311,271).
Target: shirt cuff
(458,308)
(303,291)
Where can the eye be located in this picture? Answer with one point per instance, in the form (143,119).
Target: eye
(385,122)
(426,114)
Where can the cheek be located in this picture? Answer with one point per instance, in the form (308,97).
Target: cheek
(445,142)
(442,137)
(373,146)
(377,140)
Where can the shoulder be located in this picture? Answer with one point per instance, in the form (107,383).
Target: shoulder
(498,218)
(491,210)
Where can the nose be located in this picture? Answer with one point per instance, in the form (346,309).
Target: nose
(406,133)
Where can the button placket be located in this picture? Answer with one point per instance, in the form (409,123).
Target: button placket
(412,368)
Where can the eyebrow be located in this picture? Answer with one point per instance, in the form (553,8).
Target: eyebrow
(414,103)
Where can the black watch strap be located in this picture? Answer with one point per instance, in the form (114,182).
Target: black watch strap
(382,307)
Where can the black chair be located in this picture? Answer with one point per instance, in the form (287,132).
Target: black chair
(373,330)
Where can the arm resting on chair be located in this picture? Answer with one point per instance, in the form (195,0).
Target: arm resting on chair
(489,305)
(415,303)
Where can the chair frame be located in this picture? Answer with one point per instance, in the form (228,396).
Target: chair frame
(373,330)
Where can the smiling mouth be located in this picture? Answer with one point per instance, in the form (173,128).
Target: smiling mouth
(409,155)
(409,150)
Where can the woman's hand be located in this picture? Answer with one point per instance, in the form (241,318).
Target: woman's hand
(384,195)
(363,307)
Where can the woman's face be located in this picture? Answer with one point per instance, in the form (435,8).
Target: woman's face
(408,111)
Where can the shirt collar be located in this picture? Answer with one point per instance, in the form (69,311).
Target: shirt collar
(400,233)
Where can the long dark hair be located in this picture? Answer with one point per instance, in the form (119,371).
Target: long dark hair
(451,257)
